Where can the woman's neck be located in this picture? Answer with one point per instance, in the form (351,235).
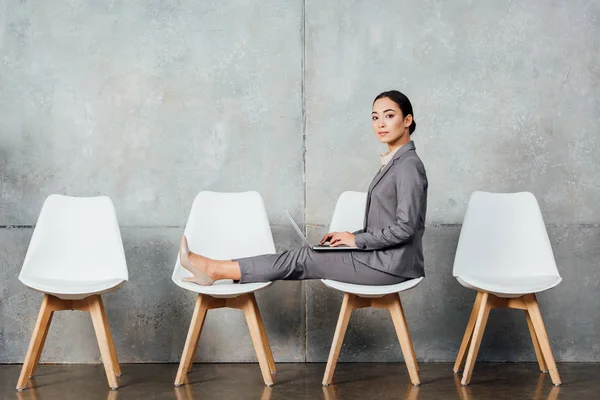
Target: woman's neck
(399,143)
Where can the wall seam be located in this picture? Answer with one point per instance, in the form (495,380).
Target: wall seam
(303,127)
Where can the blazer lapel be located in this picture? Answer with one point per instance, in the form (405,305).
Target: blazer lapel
(408,146)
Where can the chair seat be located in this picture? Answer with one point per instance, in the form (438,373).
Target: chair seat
(220,289)
(371,291)
(509,286)
(71,289)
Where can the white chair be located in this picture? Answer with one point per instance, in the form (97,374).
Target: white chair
(227,226)
(75,255)
(348,216)
(505,255)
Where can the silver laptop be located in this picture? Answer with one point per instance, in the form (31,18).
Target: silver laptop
(315,246)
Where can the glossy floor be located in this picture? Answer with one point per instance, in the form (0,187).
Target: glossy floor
(303,381)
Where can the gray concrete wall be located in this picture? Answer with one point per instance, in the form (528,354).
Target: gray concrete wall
(150,102)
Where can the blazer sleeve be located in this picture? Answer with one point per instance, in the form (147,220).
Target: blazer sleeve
(411,185)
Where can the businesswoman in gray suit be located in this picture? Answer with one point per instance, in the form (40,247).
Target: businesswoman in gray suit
(391,249)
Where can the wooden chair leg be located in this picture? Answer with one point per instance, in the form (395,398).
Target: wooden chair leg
(195,347)
(482,317)
(192,338)
(250,311)
(36,343)
(460,358)
(412,346)
(536,344)
(111,343)
(265,340)
(102,335)
(36,363)
(401,326)
(194,351)
(338,337)
(533,309)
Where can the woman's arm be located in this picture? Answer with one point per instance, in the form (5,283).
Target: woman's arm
(411,184)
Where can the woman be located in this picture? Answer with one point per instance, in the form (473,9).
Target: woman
(390,243)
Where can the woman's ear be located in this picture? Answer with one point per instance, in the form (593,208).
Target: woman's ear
(408,120)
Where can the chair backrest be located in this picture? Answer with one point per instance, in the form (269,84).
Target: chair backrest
(223,226)
(504,235)
(76,239)
(349,213)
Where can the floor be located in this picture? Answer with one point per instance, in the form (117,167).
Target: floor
(303,381)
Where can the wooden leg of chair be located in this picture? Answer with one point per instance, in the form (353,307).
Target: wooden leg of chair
(533,309)
(102,333)
(36,363)
(401,326)
(194,351)
(250,311)
(464,346)
(536,344)
(192,338)
(482,317)
(338,337)
(111,343)
(265,340)
(412,346)
(36,343)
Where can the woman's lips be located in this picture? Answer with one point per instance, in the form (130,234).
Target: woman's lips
(382,133)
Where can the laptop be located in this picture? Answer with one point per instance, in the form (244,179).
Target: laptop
(318,247)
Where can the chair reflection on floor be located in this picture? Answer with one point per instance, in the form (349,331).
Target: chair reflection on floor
(34,394)
(464,392)
(185,393)
(31,394)
(412,393)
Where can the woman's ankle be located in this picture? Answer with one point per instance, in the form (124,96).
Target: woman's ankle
(213,270)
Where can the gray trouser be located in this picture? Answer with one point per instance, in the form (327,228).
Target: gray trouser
(305,263)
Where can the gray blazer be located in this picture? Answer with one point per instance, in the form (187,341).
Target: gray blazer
(395,217)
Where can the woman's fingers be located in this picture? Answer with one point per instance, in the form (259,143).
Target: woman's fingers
(327,237)
(342,238)
(335,240)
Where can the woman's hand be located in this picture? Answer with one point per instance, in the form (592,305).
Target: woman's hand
(339,238)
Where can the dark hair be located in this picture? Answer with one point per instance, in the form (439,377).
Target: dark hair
(403,103)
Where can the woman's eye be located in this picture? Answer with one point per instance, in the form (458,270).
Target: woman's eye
(390,116)
(374,118)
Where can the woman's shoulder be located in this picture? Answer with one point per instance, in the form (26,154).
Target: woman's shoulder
(411,159)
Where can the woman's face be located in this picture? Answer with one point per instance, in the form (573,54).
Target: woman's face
(389,125)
